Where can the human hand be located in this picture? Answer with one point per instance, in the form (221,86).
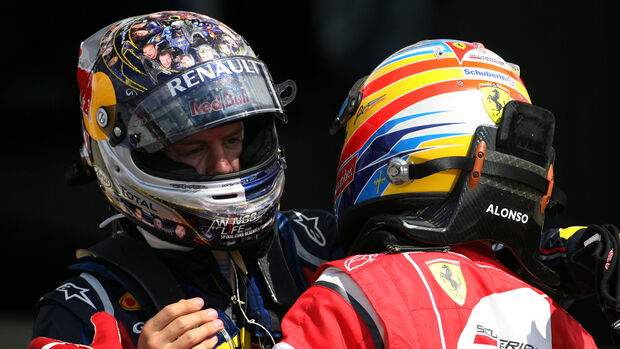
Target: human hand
(181,325)
(106,336)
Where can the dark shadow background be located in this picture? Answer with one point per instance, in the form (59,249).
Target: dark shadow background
(564,50)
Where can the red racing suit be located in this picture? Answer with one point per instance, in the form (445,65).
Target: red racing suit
(464,298)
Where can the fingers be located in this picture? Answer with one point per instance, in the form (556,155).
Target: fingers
(181,325)
(203,337)
(173,311)
(208,344)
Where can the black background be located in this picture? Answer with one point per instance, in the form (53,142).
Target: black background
(564,50)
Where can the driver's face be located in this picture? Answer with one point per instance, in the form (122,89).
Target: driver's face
(212,151)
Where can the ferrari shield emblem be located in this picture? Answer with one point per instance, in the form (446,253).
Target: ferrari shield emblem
(494,98)
(449,276)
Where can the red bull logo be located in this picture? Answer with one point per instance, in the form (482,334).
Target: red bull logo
(225,101)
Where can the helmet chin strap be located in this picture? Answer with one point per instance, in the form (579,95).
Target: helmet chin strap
(400,171)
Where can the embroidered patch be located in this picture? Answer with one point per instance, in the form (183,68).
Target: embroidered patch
(357,261)
(128,302)
(449,276)
(72,291)
(311,225)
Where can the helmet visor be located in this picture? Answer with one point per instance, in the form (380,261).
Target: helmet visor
(204,96)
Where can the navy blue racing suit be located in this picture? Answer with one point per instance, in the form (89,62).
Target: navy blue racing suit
(265,286)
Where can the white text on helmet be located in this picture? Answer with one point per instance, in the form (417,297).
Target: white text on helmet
(345,175)
(236,220)
(209,71)
(507,213)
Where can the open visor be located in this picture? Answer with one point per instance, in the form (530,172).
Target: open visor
(204,96)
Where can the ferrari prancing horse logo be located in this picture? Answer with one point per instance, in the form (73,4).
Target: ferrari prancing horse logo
(449,276)
(494,99)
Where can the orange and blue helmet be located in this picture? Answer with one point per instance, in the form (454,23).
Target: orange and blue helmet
(442,143)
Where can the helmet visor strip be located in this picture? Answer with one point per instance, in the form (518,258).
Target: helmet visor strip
(205,96)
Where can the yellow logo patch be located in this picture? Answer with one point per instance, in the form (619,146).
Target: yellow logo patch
(494,99)
(128,302)
(449,276)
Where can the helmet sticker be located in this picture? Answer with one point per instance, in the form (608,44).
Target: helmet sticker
(475,52)
(490,75)
(141,50)
(102,177)
(212,71)
(345,175)
(503,212)
(460,49)
(494,98)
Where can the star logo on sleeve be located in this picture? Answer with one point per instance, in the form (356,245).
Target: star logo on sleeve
(72,291)
(311,225)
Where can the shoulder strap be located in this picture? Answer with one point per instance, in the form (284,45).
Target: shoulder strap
(148,279)
(277,274)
